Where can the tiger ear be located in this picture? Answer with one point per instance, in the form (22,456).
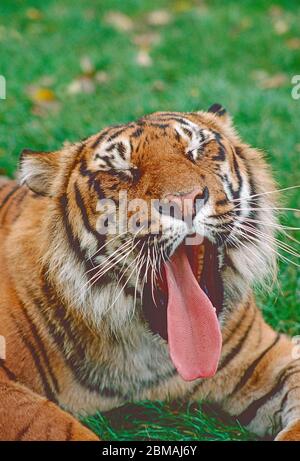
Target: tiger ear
(38,170)
(220,112)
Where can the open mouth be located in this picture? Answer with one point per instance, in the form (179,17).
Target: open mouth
(187,300)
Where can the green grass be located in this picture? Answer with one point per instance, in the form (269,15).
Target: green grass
(160,421)
(205,54)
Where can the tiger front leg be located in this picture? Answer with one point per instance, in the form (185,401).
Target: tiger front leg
(268,398)
(258,380)
(289,411)
(280,413)
(26,416)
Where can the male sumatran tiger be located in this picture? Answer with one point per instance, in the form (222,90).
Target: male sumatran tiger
(92,320)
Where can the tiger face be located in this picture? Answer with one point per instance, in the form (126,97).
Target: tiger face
(197,198)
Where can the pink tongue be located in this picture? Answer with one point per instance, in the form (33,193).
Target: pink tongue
(194,334)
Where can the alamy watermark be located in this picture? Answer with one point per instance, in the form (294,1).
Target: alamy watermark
(2,87)
(2,348)
(140,217)
(296,88)
(296,348)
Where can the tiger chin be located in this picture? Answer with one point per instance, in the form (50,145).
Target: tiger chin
(92,320)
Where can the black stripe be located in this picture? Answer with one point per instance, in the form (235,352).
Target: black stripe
(237,173)
(221,202)
(117,133)
(284,400)
(92,178)
(10,194)
(41,347)
(121,149)
(74,242)
(108,149)
(100,138)
(250,370)
(187,132)
(239,345)
(69,431)
(80,203)
(15,200)
(19,201)
(189,155)
(137,133)
(36,359)
(235,193)
(106,131)
(253,201)
(239,323)
(8,372)
(293,407)
(122,175)
(101,238)
(178,119)
(108,160)
(239,152)
(247,415)
(72,239)
(162,126)
(177,136)
(228,261)
(20,435)
(98,189)
(222,151)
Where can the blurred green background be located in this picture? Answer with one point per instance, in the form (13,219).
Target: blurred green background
(73,67)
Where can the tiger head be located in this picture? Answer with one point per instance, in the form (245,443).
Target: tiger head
(154,218)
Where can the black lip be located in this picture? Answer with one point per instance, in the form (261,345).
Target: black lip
(210,281)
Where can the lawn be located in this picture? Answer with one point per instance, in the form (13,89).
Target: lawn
(73,67)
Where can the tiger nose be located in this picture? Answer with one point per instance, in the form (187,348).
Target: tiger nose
(187,204)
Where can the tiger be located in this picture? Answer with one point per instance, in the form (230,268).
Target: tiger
(94,316)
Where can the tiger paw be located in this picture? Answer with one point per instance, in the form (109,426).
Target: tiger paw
(290,433)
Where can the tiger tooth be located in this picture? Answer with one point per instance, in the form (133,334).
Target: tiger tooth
(200,260)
